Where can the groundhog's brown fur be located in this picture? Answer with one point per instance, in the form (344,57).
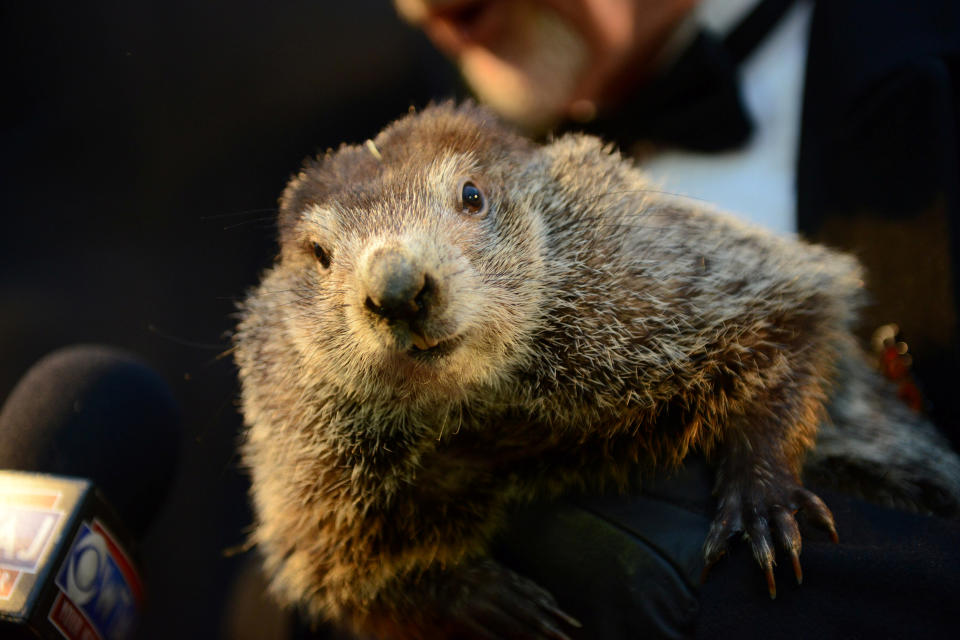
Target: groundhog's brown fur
(588,325)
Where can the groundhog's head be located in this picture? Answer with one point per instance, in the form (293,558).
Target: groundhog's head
(416,259)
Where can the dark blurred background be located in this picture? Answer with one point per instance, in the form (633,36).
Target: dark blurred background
(144,145)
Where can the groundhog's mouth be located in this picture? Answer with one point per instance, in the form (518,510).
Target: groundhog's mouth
(442,348)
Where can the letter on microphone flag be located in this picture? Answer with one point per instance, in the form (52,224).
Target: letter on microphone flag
(63,571)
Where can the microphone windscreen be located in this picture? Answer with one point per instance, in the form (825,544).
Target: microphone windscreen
(97,413)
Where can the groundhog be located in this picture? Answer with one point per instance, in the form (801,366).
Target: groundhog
(461,319)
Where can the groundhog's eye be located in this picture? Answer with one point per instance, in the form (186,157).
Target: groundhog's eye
(322,256)
(471,199)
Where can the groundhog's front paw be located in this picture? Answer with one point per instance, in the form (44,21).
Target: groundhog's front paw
(763,506)
(494,602)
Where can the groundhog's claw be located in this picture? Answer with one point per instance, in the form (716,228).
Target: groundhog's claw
(498,603)
(797,569)
(816,511)
(763,511)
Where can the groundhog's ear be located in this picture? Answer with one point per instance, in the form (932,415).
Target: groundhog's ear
(574,150)
(304,189)
(581,162)
(320,179)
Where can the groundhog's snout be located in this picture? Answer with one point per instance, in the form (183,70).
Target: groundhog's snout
(397,287)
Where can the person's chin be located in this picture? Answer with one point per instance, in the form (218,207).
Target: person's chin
(531,78)
(510,91)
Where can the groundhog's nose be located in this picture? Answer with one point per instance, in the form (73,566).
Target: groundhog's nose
(396,287)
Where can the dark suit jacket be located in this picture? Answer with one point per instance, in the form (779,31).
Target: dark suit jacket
(879,169)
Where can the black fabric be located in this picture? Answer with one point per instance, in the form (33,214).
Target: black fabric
(609,565)
(893,575)
(630,567)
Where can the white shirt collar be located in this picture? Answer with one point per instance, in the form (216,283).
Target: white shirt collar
(719,16)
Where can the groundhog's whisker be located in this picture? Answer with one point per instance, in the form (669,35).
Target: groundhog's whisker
(235,214)
(279,291)
(265,219)
(309,312)
(645,191)
(152,328)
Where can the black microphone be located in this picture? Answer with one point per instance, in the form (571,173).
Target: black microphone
(88,445)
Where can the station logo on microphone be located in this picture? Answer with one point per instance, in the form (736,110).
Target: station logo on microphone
(100,591)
